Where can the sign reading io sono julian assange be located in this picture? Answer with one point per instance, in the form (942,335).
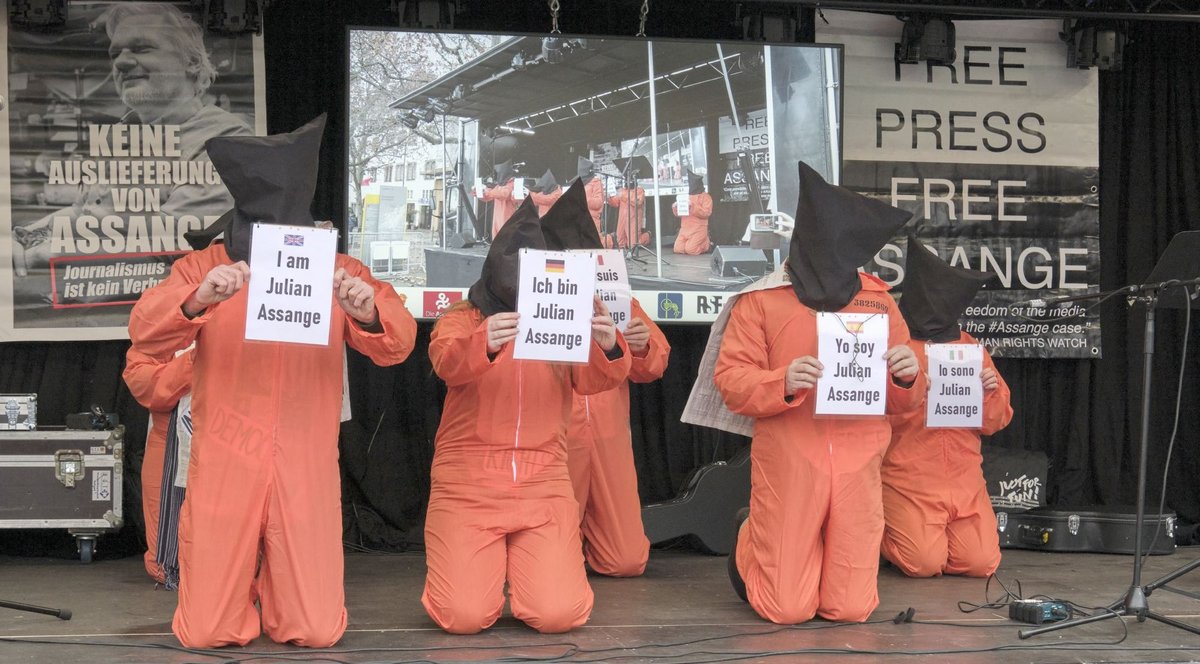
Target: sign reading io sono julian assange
(997,155)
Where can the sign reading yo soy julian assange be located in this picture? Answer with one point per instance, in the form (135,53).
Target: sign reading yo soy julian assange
(998,156)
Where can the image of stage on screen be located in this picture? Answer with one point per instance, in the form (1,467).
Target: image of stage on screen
(686,149)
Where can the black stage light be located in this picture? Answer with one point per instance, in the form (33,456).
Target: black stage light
(37,13)
(439,106)
(1092,45)
(424,114)
(409,120)
(519,61)
(234,16)
(926,38)
(552,49)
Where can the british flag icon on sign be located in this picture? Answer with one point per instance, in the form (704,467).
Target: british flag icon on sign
(293,240)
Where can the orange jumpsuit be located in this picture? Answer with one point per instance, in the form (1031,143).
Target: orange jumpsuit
(264,466)
(158,386)
(600,458)
(595,200)
(503,205)
(632,206)
(809,546)
(935,499)
(693,229)
(544,201)
(501,505)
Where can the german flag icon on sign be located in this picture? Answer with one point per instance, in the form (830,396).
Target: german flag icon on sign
(555,265)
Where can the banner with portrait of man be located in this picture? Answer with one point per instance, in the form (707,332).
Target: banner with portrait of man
(105,131)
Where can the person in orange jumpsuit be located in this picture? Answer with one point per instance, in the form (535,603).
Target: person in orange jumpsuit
(599,443)
(693,227)
(809,544)
(585,171)
(263,480)
(157,386)
(545,192)
(630,201)
(501,507)
(935,500)
(501,196)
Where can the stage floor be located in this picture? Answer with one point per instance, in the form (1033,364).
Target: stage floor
(682,610)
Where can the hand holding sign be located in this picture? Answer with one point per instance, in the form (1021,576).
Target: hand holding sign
(355,296)
(802,374)
(604,330)
(221,283)
(990,380)
(501,329)
(637,336)
(902,363)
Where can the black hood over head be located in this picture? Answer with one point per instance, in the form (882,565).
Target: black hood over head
(568,223)
(200,239)
(695,183)
(272,180)
(504,172)
(935,294)
(496,289)
(837,231)
(585,170)
(545,184)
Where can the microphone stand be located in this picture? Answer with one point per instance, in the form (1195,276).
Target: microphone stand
(1134,602)
(61,614)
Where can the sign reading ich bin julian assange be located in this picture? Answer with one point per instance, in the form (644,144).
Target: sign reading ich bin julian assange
(955,398)
(555,300)
(854,374)
(997,154)
(290,292)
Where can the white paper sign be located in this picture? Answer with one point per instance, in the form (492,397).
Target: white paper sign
(682,204)
(612,285)
(478,187)
(519,190)
(850,347)
(955,386)
(290,292)
(554,299)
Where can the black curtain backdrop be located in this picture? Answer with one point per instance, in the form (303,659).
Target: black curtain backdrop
(1081,413)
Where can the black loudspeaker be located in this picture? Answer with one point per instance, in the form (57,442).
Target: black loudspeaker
(460,241)
(739,262)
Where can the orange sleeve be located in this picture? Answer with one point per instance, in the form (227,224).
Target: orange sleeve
(650,366)
(395,341)
(458,346)
(600,373)
(615,201)
(156,385)
(997,406)
(743,374)
(157,325)
(545,199)
(595,194)
(500,192)
(902,399)
(700,206)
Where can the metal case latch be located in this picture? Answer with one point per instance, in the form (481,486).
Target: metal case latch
(68,467)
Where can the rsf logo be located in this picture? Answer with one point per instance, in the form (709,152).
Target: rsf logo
(709,305)
(670,306)
(437,302)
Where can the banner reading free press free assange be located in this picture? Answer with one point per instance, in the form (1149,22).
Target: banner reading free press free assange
(998,155)
(106,124)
